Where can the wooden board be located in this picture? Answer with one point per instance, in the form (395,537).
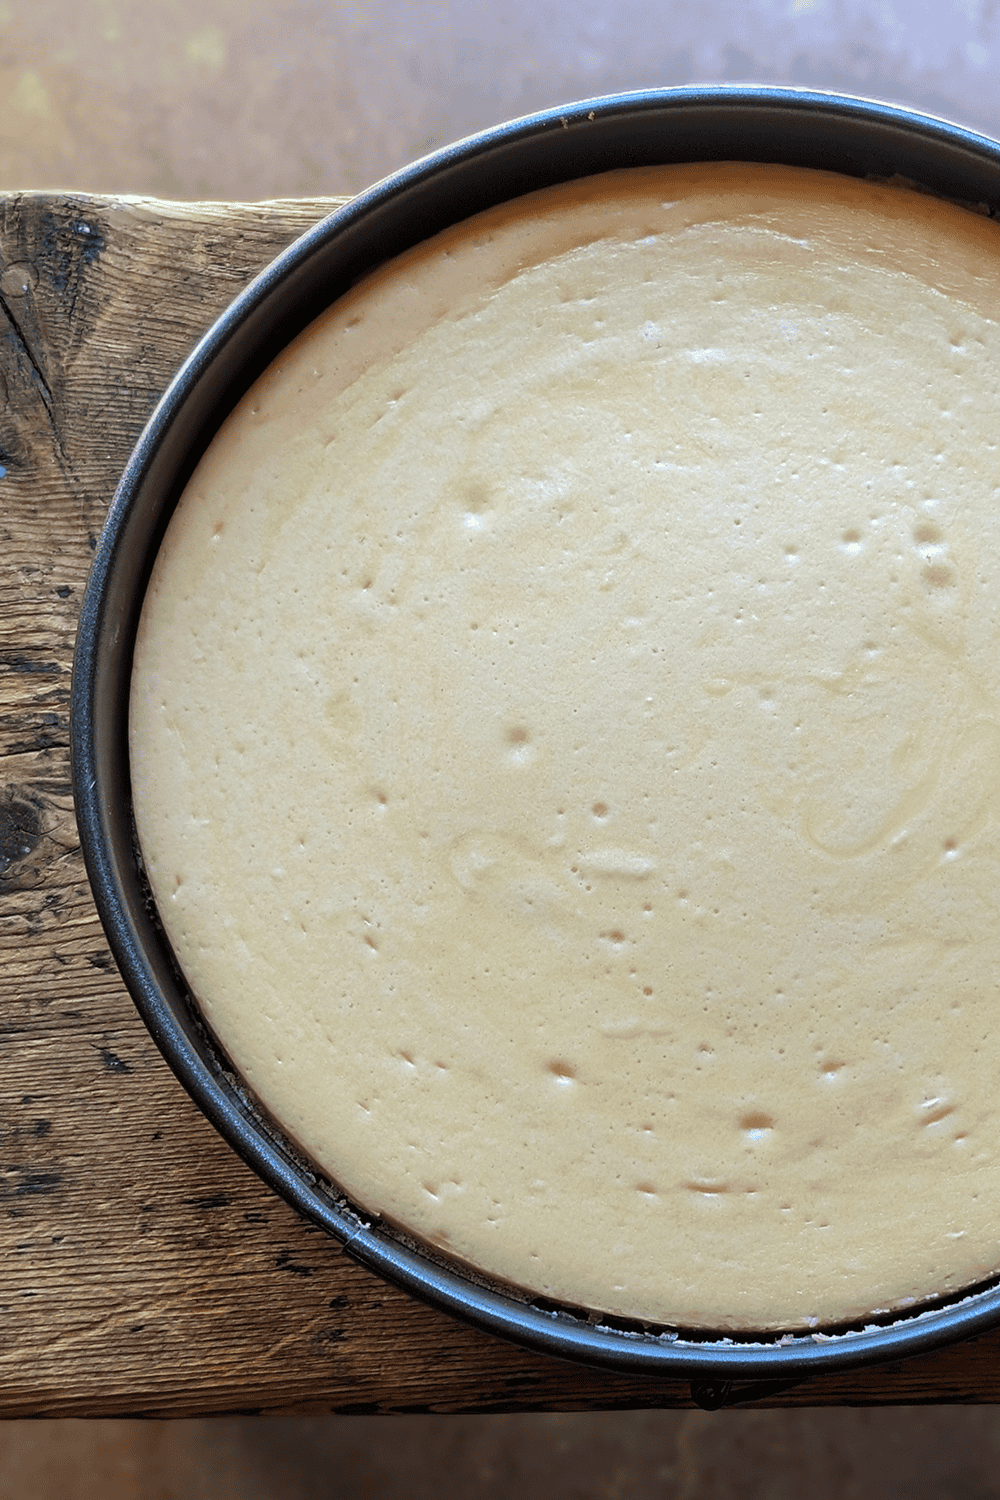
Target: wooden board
(144,1268)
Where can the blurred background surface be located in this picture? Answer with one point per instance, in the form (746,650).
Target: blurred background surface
(281,98)
(933,1453)
(249,99)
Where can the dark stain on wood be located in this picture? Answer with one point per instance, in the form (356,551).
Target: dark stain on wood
(36,829)
(19,662)
(43,739)
(113,1063)
(284,1262)
(20,827)
(66,245)
(101,961)
(211,1200)
(36,1184)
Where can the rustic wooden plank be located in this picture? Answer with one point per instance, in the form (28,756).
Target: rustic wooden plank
(145,1269)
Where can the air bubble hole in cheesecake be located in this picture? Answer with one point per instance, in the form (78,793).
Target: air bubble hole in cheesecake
(566,745)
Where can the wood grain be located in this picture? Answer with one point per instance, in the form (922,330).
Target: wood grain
(145,1269)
